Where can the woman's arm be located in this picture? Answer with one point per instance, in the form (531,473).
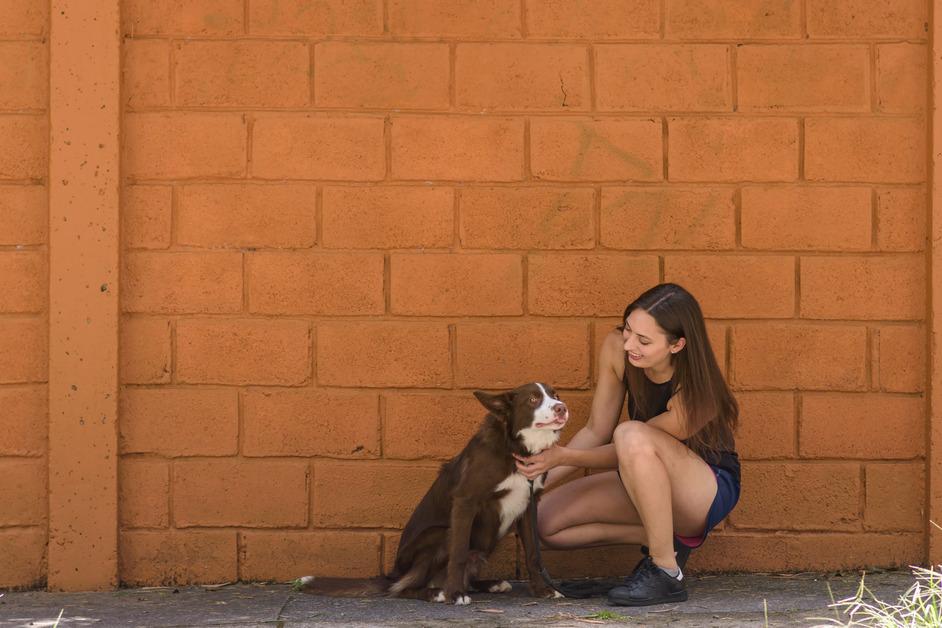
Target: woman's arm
(603,417)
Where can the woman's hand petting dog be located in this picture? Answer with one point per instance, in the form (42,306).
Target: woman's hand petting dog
(536,465)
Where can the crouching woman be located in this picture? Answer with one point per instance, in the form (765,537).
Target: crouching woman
(667,475)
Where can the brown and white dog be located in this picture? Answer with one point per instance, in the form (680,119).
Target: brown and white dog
(477,496)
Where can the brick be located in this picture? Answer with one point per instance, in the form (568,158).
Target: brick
(24,345)
(835,425)
(901,78)
(276,216)
(429,426)
(242,73)
(868,18)
(785,357)
(485,19)
(728,149)
(668,218)
(318,147)
(146,216)
(25,492)
(739,286)
(331,17)
(24,17)
(777,553)
(887,150)
(144,350)
(456,284)
(381,75)
(24,75)
(806,218)
(792,496)
(546,77)
(179,422)
(527,218)
(901,219)
(387,217)
(584,149)
(26,418)
(184,145)
(24,557)
(593,19)
(586,285)
(23,281)
(395,490)
(315,283)
(580,406)
(800,77)
(23,153)
(245,351)
(895,497)
(234,492)
(182,17)
(855,287)
(282,556)
(182,282)
(157,558)
(409,355)
(718,19)
(766,425)
(145,73)
(658,77)
(310,423)
(457,148)
(143,493)
(506,355)
(902,358)
(24,214)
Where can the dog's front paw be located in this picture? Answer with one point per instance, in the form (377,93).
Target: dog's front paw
(458,598)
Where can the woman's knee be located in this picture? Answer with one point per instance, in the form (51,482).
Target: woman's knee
(633,440)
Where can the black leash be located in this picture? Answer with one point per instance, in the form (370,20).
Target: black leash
(570,588)
(535,539)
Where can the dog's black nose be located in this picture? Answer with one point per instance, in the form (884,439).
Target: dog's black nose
(559,409)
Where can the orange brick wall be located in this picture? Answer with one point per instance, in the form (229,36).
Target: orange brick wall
(24,312)
(340,218)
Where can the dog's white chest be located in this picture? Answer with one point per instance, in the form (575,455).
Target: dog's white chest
(515,501)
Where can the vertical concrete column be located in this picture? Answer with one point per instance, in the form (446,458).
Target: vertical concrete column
(934,432)
(84,242)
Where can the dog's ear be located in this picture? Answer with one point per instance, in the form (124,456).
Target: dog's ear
(498,404)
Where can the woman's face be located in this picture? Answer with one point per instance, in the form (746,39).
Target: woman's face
(646,343)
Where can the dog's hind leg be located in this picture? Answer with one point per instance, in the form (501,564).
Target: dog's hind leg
(491,586)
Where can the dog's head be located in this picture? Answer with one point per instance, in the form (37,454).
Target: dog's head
(533,413)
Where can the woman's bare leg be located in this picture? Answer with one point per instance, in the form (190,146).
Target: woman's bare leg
(671,487)
(589,511)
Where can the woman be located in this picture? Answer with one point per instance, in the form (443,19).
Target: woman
(674,470)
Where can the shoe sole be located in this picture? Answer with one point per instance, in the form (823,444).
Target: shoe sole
(679,596)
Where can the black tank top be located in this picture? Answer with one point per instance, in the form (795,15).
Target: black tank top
(659,395)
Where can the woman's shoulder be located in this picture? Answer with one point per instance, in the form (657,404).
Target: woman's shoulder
(612,353)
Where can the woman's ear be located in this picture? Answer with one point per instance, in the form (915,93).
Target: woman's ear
(679,345)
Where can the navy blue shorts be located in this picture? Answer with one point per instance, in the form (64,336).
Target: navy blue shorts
(727,494)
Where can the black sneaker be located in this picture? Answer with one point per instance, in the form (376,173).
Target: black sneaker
(649,585)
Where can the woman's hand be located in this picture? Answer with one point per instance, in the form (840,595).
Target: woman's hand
(538,464)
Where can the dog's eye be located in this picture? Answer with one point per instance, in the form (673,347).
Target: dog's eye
(534,400)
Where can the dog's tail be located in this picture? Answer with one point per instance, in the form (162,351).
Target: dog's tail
(342,587)
(413,578)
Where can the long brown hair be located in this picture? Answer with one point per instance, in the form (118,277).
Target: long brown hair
(711,410)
